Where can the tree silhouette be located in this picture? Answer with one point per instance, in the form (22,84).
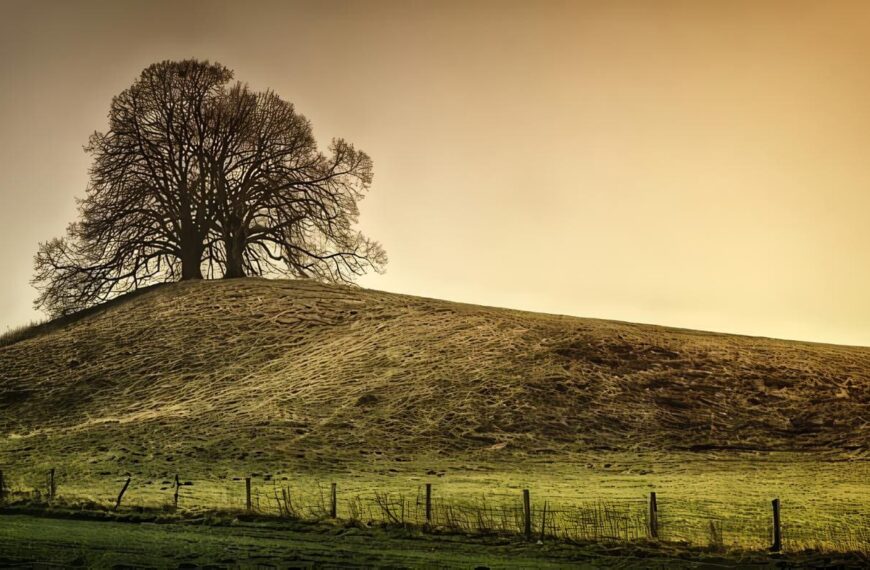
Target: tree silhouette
(281,203)
(198,177)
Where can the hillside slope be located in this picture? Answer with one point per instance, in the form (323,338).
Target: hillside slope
(275,370)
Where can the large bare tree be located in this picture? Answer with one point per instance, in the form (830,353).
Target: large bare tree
(195,174)
(147,185)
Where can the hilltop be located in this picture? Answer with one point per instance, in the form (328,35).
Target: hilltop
(278,372)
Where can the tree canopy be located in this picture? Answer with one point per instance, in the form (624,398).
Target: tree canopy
(199,176)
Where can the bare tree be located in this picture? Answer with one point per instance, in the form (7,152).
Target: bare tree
(283,206)
(193,173)
(148,195)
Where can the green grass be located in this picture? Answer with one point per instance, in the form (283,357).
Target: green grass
(100,544)
(593,497)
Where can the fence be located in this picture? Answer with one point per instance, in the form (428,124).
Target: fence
(773,526)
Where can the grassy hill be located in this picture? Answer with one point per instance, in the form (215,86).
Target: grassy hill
(295,371)
(297,384)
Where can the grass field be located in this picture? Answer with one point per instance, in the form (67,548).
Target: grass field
(599,497)
(67,542)
(299,385)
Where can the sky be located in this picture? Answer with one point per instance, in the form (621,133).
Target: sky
(693,164)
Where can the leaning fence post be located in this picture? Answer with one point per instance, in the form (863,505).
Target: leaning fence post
(248,493)
(175,497)
(428,503)
(333,511)
(527,515)
(52,488)
(653,516)
(777,529)
(121,494)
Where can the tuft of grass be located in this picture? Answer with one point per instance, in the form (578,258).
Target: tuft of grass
(43,327)
(19,333)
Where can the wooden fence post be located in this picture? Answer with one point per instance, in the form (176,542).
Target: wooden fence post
(121,494)
(543,521)
(653,516)
(527,514)
(175,497)
(52,488)
(777,529)
(428,503)
(333,511)
(2,487)
(248,504)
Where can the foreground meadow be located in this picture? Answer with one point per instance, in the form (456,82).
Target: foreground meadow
(50,543)
(712,500)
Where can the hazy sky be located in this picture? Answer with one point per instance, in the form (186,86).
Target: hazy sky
(697,164)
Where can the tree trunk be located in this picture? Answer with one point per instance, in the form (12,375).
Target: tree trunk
(191,254)
(191,262)
(235,250)
(191,242)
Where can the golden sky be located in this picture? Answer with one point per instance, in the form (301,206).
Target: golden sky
(696,164)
